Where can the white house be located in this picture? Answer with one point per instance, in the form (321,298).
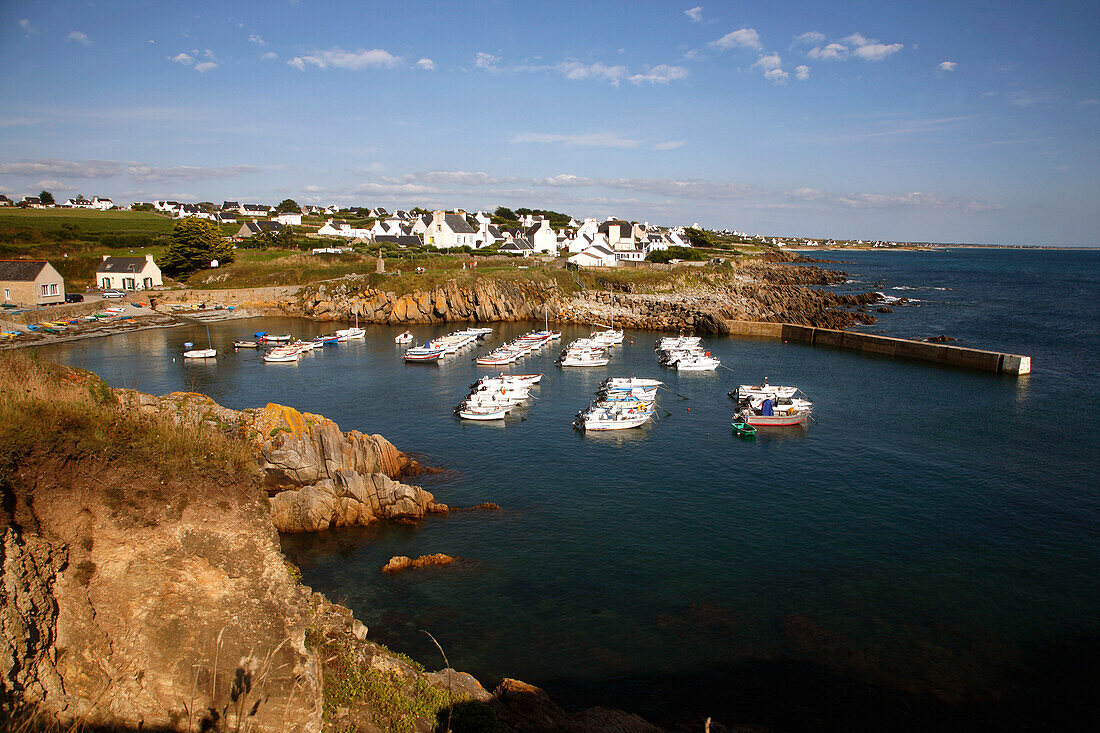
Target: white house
(517,246)
(193,211)
(542,237)
(595,256)
(450,230)
(77,203)
(128,273)
(341,228)
(4,200)
(488,235)
(166,206)
(620,234)
(102,204)
(254,210)
(420,226)
(483,218)
(289,219)
(33,202)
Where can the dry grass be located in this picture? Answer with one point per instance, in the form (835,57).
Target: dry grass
(67,425)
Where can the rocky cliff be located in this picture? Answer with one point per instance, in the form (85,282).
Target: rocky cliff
(316,475)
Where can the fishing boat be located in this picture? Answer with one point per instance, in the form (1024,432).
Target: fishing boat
(326,339)
(245,345)
(423,354)
(751,391)
(777,412)
(630,382)
(613,418)
(268,338)
(583,359)
(352,333)
(403,338)
(697,363)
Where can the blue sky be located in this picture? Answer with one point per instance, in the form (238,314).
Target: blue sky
(940,121)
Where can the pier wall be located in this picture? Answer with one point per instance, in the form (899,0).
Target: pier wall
(947,355)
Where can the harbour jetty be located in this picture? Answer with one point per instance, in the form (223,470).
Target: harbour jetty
(867,343)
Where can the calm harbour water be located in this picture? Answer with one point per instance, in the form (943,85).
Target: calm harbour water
(925,553)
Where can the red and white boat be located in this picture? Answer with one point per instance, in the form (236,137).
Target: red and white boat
(425,353)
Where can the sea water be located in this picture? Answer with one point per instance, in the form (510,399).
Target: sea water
(925,552)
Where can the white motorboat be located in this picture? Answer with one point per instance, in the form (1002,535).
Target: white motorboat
(630,382)
(403,338)
(583,360)
(697,363)
(200,354)
(482,413)
(613,418)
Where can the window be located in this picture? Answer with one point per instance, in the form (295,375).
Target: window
(7,293)
(148,282)
(128,283)
(49,289)
(105,283)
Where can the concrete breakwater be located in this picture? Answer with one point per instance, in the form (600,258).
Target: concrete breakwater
(866,343)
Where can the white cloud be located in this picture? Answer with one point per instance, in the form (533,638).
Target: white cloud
(486,61)
(914,200)
(26,25)
(661,74)
(670,145)
(426,64)
(338,58)
(877,51)
(465,178)
(578,71)
(183,58)
(741,38)
(252,37)
(802,73)
(832,52)
(269,56)
(592,139)
(695,15)
(810,38)
(777,75)
(64,168)
(683,189)
(947,66)
(768,63)
(563,179)
(49,183)
(205,66)
(79,37)
(185,172)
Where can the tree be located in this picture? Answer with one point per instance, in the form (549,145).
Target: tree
(505,213)
(288,206)
(282,238)
(47,198)
(194,243)
(698,237)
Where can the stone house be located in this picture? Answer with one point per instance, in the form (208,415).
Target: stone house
(29,283)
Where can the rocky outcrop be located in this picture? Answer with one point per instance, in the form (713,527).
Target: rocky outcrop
(316,475)
(399,563)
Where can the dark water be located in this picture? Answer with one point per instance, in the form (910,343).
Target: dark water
(923,556)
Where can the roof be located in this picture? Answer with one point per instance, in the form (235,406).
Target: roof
(122,264)
(255,227)
(20,270)
(230,205)
(255,207)
(519,243)
(599,249)
(406,240)
(624,226)
(458,224)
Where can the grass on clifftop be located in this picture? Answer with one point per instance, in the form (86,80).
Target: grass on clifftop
(67,426)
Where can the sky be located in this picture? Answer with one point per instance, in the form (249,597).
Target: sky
(922,121)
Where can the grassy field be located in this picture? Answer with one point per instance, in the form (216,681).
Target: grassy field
(54,223)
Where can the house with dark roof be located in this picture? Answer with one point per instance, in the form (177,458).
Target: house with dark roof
(33,202)
(4,200)
(128,273)
(78,202)
(252,228)
(28,283)
(620,234)
(517,246)
(449,230)
(254,210)
(231,206)
(595,256)
(542,237)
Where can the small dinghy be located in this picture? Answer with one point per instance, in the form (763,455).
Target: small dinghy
(245,345)
(742,429)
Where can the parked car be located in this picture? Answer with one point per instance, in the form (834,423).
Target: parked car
(74,298)
(113,294)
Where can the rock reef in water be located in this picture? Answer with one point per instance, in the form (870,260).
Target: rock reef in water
(316,475)
(399,563)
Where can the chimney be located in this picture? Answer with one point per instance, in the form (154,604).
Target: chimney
(149,258)
(438,217)
(105,257)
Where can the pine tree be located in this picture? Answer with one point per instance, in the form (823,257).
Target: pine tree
(194,244)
